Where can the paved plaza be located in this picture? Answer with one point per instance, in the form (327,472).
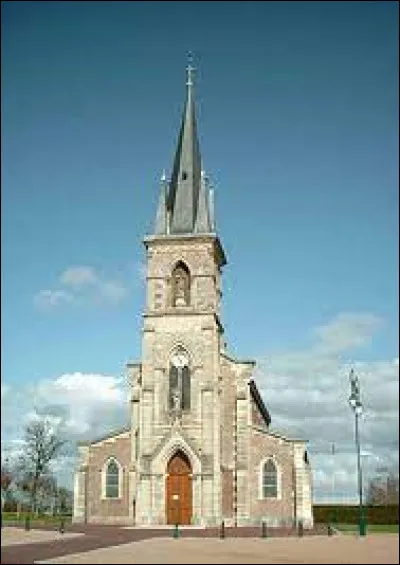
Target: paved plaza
(14,536)
(379,548)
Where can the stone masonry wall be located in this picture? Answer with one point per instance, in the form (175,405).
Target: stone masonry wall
(113,511)
(274,511)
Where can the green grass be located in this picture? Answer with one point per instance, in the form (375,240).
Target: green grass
(14,518)
(371,528)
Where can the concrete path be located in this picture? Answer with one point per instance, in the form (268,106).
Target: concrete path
(380,548)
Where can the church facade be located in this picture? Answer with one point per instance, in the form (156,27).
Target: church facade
(199,448)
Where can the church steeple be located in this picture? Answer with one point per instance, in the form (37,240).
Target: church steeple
(187,200)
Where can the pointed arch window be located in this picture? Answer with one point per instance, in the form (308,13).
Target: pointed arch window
(179,381)
(180,285)
(112,479)
(269,479)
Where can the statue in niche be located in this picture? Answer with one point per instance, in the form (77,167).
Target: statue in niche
(181,285)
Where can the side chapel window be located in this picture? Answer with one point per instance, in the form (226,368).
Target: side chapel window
(180,285)
(269,480)
(179,382)
(112,480)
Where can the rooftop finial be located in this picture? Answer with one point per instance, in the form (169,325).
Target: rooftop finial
(190,69)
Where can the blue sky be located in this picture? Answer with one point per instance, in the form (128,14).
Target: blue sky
(297,107)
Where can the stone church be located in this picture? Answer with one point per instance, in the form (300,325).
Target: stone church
(198,448)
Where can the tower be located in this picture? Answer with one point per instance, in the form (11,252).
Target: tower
(176,407)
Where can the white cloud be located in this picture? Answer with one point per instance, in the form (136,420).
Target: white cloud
(81,405)
(307,392)
(347,330)
(88,403)
(78,276)
(112,292)
(52,298)
(84,284)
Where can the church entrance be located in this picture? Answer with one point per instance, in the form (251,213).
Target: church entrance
(179,490)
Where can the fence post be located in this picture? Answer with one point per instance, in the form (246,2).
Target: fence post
(300,530)
(263,529)
(27,523)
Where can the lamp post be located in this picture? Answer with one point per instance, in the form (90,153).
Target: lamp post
(356,406)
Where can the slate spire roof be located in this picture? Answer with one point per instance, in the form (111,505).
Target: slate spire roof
(184,205)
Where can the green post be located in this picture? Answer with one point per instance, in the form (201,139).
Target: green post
(176,532)
(356,405)
(263,529)
(27,523)
(363,522)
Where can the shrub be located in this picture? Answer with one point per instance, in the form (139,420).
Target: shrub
(349,514)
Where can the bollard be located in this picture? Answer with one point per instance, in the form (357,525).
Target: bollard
(62,526)
(175,532)
(222,530)
(27,523)
(263,529)
(300,529)
(330,530)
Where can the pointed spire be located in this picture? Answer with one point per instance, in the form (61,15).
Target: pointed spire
(211,206)
(185,181)
(161,227)
(203,224)
(186,204)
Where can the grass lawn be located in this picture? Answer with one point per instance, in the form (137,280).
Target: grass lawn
(371,528)
(13,518)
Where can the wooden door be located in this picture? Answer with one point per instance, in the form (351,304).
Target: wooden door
(179,490)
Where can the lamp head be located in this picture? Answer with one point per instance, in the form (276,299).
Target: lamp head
(352,402)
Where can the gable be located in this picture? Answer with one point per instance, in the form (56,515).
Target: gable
(260,415)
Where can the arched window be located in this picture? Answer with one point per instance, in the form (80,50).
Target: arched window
(180,285)
(112,480)
(269,480)
(179,381)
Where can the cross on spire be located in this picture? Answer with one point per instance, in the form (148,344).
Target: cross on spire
(190,70)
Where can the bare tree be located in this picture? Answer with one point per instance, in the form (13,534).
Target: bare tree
(43,445)
(6,481)
(383,490)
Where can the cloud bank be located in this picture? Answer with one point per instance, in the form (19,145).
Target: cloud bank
(307,394)
(305,390)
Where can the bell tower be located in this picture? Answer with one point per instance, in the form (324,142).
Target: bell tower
(177,406)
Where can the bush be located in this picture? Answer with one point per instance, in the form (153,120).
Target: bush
(349,514)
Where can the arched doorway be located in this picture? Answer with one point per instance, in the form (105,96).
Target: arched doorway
(179,490)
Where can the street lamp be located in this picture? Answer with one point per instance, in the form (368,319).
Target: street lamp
(356,406)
